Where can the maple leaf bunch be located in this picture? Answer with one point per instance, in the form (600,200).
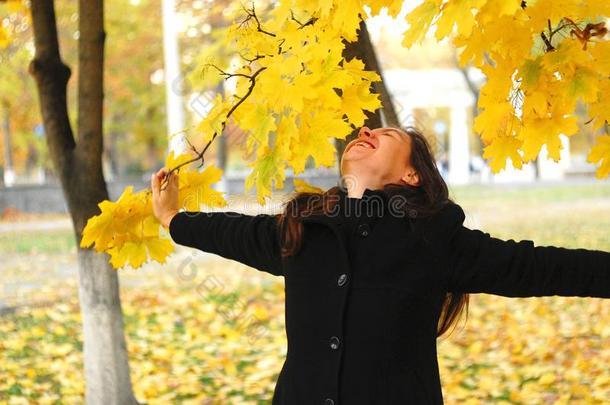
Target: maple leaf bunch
(129,231)
(540,58)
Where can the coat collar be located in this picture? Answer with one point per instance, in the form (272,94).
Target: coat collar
(335,218)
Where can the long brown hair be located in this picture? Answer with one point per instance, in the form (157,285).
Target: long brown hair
(421,201)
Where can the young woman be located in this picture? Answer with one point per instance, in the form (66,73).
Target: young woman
(375,269)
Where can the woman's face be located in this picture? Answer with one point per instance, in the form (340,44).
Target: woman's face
(378,157)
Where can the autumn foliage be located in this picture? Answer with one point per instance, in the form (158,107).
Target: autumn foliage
(294,93)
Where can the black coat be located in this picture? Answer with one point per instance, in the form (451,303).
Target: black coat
(362,327)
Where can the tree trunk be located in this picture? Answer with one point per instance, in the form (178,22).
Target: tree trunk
(105,350)
(8,177)
(79,169)
(363,49)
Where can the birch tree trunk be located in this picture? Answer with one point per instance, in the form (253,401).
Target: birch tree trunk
(78,166)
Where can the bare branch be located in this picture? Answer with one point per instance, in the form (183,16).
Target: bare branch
(200,155)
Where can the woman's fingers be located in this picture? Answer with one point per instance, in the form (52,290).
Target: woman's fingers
(157,178)
(154,183)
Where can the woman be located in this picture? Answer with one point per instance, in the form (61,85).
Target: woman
(376,269)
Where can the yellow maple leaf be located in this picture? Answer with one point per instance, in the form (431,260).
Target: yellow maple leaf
(584,84)
(538,131)
(457,12)
(600,154)
(195,188)
(419,20)
(159,248)
(356,69)
(213,121)
(565,58)
(600,52)
(495,119)
(529,72)
(543,12)
(345,19)
(499,78)
(259,123)
(535,103)
(131,253)
(100,228)
(599,110)
(512,45)
(172,160)
(301,185)
(268,168)
(315,139)
(356,98)
(472,48)
(287,134)
(491,10)
(500,149)
(4,38)
(393,7)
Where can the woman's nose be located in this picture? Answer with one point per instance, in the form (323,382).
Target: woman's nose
(365,131)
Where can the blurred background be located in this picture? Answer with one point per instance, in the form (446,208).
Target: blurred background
(183,347)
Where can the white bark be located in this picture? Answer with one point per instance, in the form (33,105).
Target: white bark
(104,347)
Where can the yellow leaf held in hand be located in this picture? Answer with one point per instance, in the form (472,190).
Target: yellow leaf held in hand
(195,188)
(100,229)
(159,249)
(130,253)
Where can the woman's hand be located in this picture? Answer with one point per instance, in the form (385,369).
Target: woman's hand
(164,202)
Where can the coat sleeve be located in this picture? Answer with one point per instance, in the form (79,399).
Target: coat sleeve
(480,263)
(249,239)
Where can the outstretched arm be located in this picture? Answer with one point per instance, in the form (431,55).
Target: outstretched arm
(476,262)
(251,240)
(480,263)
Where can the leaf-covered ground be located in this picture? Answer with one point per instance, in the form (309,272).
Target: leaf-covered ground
(204,330)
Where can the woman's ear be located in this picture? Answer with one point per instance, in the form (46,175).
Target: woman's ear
(411,177)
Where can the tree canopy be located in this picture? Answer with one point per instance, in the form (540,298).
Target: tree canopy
(294,93)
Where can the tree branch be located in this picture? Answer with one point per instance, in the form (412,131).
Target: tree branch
(200,155)
(51,76)
(91,84)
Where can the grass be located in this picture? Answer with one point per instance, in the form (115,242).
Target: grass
(56,241)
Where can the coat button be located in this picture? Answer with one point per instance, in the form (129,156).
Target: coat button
(342,279)
(329,401)
(363,230)
(334,343)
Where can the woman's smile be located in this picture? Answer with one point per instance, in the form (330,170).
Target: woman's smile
(359,143)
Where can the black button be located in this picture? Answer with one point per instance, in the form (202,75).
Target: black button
(334,343)
(363,230)
(329,401)
(342,279)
